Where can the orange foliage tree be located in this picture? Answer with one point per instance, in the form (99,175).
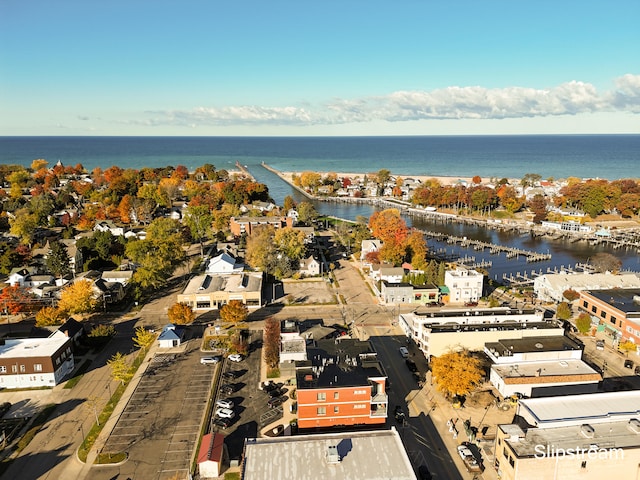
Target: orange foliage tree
(181,314)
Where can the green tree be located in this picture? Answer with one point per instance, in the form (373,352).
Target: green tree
(456,373)
(306,213)
(58,261)
(120,370)
(200,221)
(583,323)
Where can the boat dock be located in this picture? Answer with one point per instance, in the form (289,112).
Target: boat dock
(494,249)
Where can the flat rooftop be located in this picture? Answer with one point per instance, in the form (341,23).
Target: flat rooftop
(31,347)
(534,344)
(614,434)
(340,362)
(626,300)
(578,409)
(548,371)
(361,455)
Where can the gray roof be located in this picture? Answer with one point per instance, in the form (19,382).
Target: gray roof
(373,455)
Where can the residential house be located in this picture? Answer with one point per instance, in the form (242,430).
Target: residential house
(19,275)
(108,226)
(35,362)
(368,246)
(118,276)
(310,266)
(224,263)
(342,383)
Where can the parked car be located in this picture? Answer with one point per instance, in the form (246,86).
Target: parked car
(599,344)
(276,401)
(235,357)
(4,408)
(628,364)
(398,414)
(469,460)
(278,392)
(209,360)
(464,452)
(224,403)
(222,422)
(225,413)
(404,352)
(411,365)
(231,375)
(228,388)
(637,370)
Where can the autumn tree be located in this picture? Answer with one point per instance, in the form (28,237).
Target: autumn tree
(456,373)
(48,316)
(234,313)
(200,221)
(388,226)
(120,370)
(290,242)
(563,311)
(23,224)
(181,314)
(288,203)
(77,298)
(271,342)
(627,346)
(583,323)
(261,250)
(538,206)
(143,338)
(416,250)
(306,212)
(16,299)
(571,295)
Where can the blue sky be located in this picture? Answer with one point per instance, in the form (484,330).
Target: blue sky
(344,67)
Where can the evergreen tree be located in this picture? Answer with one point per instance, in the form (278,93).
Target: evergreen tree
(58,261)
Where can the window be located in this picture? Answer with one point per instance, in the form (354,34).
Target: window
(585,304)
(23,369)
(603,314)
(336,409)
(360,405)
(322,411)
(336,395)
(322,396)
(359,392)
(14,368)
(613,319)
(37,367)
(594,309)
(3,369)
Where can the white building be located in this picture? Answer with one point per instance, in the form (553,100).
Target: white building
(551,286)
(465,285)
(35,362)
(224,263)
(438,331)
(585,437)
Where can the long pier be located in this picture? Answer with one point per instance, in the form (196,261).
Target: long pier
(494,249)
(527,278)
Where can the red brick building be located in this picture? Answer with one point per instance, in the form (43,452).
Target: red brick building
(240,225)
(341,383)
(617,309)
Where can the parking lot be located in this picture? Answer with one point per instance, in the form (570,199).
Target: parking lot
(250,404)
(160,426)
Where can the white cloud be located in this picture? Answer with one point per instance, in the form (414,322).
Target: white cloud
(469,103)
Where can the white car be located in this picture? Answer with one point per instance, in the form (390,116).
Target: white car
(404,352)
(209,360)
(235,357)
(222,403)
(225,413)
